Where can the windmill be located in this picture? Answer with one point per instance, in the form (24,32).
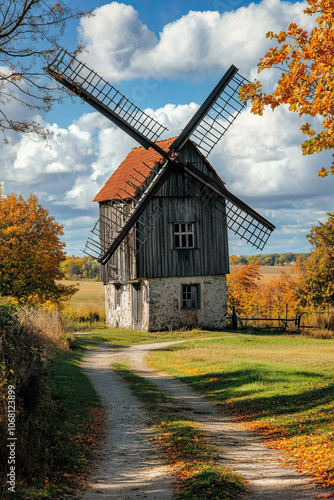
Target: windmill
(134,210)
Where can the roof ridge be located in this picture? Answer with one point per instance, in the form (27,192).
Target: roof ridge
(138,161)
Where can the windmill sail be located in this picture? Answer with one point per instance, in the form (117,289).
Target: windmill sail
(216,114)
(238,216)
(97,92)
(205,129)
(138,197)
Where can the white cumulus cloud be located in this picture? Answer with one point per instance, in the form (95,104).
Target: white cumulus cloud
(119,46)
(259,157)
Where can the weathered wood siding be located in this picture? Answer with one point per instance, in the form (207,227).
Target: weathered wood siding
(122,265)
(178,184)
(158,257)
(181,200)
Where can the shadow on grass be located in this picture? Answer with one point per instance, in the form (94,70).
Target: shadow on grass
(267,333)
(257,392)
(85,342)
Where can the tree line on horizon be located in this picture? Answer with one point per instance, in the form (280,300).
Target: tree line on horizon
(269,259)
(82,268)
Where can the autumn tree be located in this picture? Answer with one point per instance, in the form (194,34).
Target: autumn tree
(242,284)
(317,288)
(251,295)
(279,296)
(306,83)
(30,252)
(29,35)
(80,268)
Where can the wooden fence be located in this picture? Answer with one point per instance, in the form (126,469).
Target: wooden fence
(283,323)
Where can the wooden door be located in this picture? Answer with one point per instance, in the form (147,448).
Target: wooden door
(136,306)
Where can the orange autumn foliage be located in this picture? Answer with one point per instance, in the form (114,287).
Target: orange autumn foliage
(310,454)
(30,252)
(306,83)
(253,297)
(242,285)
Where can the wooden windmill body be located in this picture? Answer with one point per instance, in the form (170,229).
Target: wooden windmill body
(161,237)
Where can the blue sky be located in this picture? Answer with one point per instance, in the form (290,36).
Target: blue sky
(167,57)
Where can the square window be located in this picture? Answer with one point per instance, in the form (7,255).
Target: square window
(190,297)
(184,235)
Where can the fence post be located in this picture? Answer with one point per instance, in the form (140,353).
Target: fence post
(234,319)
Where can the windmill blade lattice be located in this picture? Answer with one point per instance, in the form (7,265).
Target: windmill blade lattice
(133,217)
(91,87)
(246,226)
(216,114)
(237,215)
(220,117)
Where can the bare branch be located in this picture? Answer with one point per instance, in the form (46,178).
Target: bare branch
(29,34)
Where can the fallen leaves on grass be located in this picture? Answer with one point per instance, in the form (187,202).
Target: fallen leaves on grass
(311,454)
(88,437)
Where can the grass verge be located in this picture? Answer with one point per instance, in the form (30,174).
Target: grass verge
(123,337)
(69,431)
(282,386)
(195,465)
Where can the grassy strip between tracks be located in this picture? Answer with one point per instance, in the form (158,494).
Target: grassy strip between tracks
(195,465)
(281,386)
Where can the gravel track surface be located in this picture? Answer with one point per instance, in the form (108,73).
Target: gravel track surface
(129,468)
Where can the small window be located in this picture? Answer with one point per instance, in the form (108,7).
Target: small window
(190,297)
(118,295)
(184,235)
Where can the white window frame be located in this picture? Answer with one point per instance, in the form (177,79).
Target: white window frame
(190,296)
(184,235)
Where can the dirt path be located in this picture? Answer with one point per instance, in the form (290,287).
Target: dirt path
(128,468)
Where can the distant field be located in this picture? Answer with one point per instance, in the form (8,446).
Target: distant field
(274,269)
(90,294)
(270,272)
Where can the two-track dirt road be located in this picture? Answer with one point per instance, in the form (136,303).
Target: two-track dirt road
(129,468)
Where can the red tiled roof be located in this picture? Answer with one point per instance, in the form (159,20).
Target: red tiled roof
(136,159)
(116,187)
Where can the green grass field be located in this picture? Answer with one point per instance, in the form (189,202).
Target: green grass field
(123,337)
(282,385)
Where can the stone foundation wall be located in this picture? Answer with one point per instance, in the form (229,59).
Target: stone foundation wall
(122,317)
(160,304)
(164,297)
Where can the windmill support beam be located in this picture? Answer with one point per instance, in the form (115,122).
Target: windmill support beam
(135,216)
(222,191)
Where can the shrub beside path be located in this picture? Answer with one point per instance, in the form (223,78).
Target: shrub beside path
(129,468)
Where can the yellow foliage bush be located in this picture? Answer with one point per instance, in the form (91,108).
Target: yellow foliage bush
(85,314)
(49,325)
